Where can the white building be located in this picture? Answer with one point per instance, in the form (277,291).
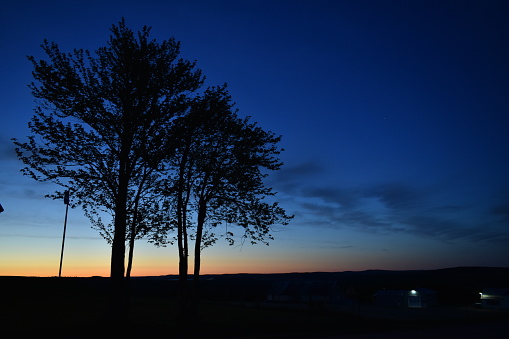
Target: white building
(420,297)
(495,298)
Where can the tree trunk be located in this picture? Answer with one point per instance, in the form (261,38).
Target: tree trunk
(132,238)
(183,265)
(183,195)
(119,302)
(118,245)
(130,258)
(182,246)
(202,212)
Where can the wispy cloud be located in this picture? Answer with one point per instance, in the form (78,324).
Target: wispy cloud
(289,179)
(395,195)
(7,151)
(502,212)
(393,207)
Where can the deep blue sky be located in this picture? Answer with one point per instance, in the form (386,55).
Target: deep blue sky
(394,116)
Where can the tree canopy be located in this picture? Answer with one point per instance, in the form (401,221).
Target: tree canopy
(216,178)
(127,131)
(100,121)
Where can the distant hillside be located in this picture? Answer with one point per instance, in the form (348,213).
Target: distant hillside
(458,286)
(478,277)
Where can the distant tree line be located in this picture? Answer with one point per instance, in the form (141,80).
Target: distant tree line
(148,153)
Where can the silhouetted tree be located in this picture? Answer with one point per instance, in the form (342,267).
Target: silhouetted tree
(221,163)
(146,216)
(101,121)
(125,130)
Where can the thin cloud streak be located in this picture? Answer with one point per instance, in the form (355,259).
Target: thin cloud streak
(389,208)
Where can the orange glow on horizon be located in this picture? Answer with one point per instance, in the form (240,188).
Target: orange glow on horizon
(139,269)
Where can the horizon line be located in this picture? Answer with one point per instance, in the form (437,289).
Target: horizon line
(280,273)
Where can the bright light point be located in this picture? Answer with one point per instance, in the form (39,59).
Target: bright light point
(413,292)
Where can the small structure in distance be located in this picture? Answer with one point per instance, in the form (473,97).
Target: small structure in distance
(495,298)
(416,298)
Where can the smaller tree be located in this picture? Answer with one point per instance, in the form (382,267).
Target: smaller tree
(222,164)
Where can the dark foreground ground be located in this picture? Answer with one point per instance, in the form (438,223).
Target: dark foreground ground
(233,307)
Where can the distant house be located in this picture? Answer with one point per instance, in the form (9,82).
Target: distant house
(420,297)
(308,294)
(495,298)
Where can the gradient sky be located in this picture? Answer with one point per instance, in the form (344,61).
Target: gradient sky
(394,116)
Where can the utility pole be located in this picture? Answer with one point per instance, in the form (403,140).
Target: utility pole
(66,202)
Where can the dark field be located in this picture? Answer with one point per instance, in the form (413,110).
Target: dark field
(235,306)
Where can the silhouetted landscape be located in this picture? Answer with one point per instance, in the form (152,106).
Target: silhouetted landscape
(247,305)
